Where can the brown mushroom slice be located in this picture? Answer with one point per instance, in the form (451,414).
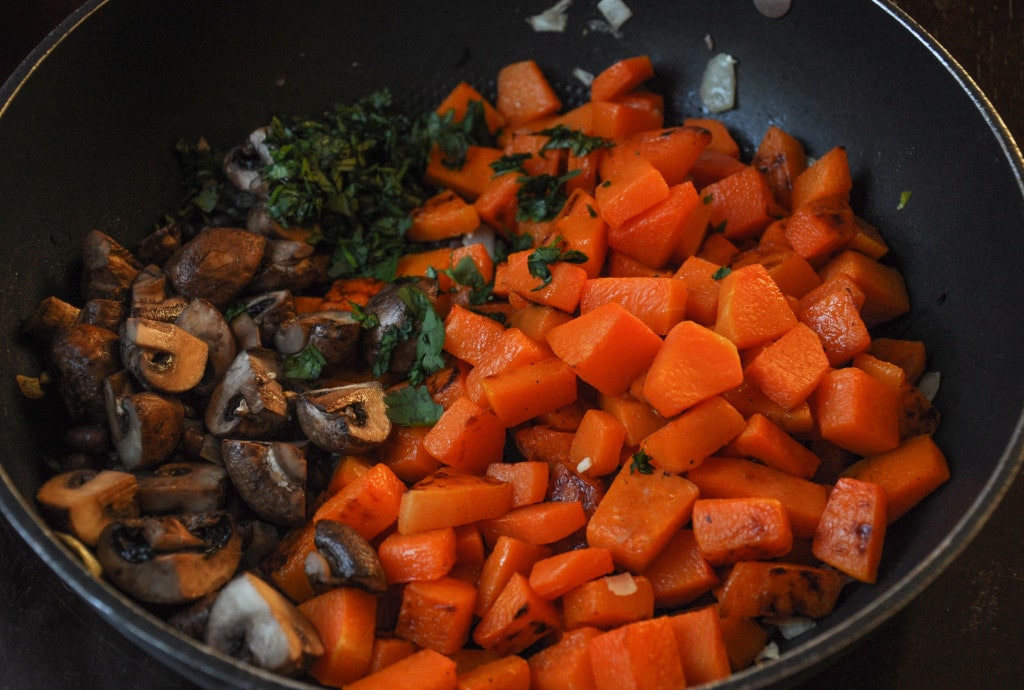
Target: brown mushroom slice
(249,402)
(253,622)
(162,355)
(145,427)
(183,487)
(50,316)
(170,559)
(270,477)
(158,246)
(243,166)
(289,264)
(246,332)
(269,310)
(83,356)
(343,558)
(149,287)
(83,502)
(205,321)
(334,333)
(109,268)
(216,264)
(105,313)
(345,419)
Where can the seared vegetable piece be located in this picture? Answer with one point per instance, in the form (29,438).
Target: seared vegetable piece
(162,356)
(269,477)
(343,557)
(216,265)
(84,502)
(183,487)
(346,419)
(252,621)
(205,321)
(146,427)
(249,402)
(83,356)
(109,268)
(170,559)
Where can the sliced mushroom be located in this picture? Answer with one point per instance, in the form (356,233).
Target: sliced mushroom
(259,539)
(243,166)
(83,356)
(335,334)
(269,310)
(170,559)
(289,265)
(157,247)
(145,427)
(84,502)
(270,477)
(345,419)
(109,268)
(246,332)
(183,487)
(216,264)
(252,621)
(343,558)
(394,315)
(50,316)
(105,313)
(161,355)
(149,286)
(249,402)
(205,321)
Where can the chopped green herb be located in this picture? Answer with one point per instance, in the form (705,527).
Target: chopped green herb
(454,137)
(430,339)
(307,363)
(721,272)
(541,197)
(235,310)
(412,406)
(904,199)
(466,273)
(209,198)
(708,198)
(578,143)
(366,320)
(591,211)
(510,162)
(540,260)
(640,462)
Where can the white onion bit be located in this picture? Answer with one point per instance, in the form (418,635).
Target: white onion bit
(718,87)
(585,77)
(621,585)
(709,42)
(773,9)
(928,385)
(585,464)
(615,11)
(554,18)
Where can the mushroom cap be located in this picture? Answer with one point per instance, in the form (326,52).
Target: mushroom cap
(270,477)
(206,322)
(83,502)
(216,264)
(183,487)
(83,356)
(145,427)
(161,355)
(334,333)
(345,419)
(170,559)
(252,621)
(343,557)
(249,402)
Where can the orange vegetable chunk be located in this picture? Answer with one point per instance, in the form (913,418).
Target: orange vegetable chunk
(789,369)
(702,647)
(529,480)
(507,673)
(618,79)
(821,227)
(907,473)
(693,364)
(639,514)
(763,440)
(639,656)
(524,93)
(597,444)
(563,292)
(467,437)
(829,176)
(672,151)
(742,204)
(680,573)
(565,665)
(448,498)
(752,308)
(437,614)
(764,588)
(741,529)
(658,302)
(345,618)
(608,602)
(686,440)
(427,555)
(508,555)
(458,99)
(422,670)
(608,347)
(554,576)
(442,216)
(630,190)
(469,181)
(780,157)
(518,618)
(527,391)
(851,533)
(885,294)
(702,289)
(369,504)
(470,336)
(857,412)
(653,235)
(539,523)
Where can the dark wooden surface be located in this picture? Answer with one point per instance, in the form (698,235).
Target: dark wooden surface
(965,631)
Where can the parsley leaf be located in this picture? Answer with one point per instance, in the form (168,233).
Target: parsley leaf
(430,337)
(540,259)
(721,272)
(412,406)
(454,137)
(541,197)
(578,143)
(209,198)
(466,273)
(904,200)
(510,162)
(307,363)
(641,462)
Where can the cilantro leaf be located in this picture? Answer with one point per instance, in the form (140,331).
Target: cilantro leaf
(466,273)
(721,272)
(510,162)
(429,331)
(454,137)
(412,406)
(540,259)
(307,363)
(578,143)
(541,197)
(641,462)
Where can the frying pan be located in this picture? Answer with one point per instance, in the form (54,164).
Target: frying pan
(87,125)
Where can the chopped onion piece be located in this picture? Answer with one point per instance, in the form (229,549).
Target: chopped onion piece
(615,11)
(585,464)
(585,77)
(621,585)
(554,18)
(773,9)
(483,235)
(769,653)
(929,384)
(709,42)
(718,87)
(793,626)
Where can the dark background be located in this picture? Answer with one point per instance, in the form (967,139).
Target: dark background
(966,630)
